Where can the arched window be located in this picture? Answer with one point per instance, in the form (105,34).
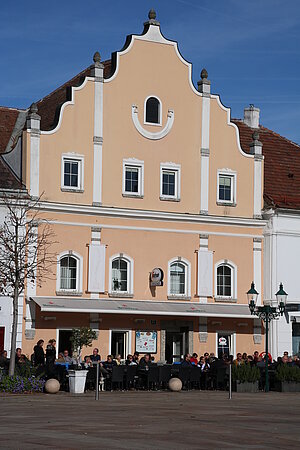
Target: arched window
(179,278)
(153,110)
(68,273)
(226,279)
(121,275)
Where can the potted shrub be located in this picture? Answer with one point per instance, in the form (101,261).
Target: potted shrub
(81,337)
(287,378)
(245,378)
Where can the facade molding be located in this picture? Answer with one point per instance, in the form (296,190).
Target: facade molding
(148,134)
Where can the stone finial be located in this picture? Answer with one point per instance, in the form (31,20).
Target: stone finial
(33,108)
(204,83)
(152,14)
(255,145)
(204,74)
(96,57)
(255,136)
(152,18)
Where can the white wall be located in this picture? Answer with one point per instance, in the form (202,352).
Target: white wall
(281,264)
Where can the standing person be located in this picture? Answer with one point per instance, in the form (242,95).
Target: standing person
(95,357)
(51,352)
(39,354)
(186,360)
(135,358)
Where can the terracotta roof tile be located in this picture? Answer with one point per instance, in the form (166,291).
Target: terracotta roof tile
(8,117)
(281,166)
(49,106)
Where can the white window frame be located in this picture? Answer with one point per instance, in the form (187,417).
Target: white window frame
(130,268)
(128,331)
(233,267)
(232,175)
(136,164)
(171,167)
(79,274)
(159,124)
(187,293)
(76,158)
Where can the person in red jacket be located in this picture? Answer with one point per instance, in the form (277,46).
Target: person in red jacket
(194,359)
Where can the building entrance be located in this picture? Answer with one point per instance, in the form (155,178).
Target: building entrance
(177,344)
(119,343)
(64,342)
(296,338)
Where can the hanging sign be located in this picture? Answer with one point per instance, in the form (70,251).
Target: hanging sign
(146,341)
(223,341)
(156,277)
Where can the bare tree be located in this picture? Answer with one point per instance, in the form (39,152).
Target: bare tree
(25,253)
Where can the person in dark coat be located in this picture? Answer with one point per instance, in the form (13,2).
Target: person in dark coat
(51,352)
(39,354)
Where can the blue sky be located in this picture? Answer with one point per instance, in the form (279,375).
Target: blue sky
(249,47)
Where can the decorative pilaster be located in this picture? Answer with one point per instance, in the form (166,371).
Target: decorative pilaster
(97,73)
(33,123)
(204,88)
(203,329)
(96,275)
(162,345)
(31,292)
(257,266)
(256,150)
(205,269)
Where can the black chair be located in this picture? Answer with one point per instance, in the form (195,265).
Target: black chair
(117,376)
(164,375)
(152,377)
(221,378)
(130,376)
(184,376)
(195,377)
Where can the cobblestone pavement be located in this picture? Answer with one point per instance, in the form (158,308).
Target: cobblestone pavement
(150,420)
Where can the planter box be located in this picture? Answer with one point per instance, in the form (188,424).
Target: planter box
(77,379)
(287,386)
(245,387)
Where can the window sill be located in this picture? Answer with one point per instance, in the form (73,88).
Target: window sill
(120,295)
(221,203)
(169,199)
(153,124)
(132,195)
(68,189)
(69,293)
(226,299)
(179,297)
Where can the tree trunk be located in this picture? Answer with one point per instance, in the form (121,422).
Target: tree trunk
(13,345)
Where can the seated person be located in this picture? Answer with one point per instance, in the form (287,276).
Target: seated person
(145,362)
(95,357)
(186,360)
(87,362)
(109,364)
(20,357)
(60,358)
(194,358)
(118,360)
(129,361)
(67,358)
(4,361)
(136,356)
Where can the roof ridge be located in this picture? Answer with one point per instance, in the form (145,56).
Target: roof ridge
(12,108)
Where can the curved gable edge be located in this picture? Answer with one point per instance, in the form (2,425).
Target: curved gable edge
(237,132)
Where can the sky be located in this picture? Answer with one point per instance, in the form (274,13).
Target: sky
(250,48)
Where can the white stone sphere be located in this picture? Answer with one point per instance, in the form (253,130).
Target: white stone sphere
(52,386)
(175,384)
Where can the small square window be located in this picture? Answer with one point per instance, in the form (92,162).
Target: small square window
(170,182)
(133,178)
(72,174)
(226,189)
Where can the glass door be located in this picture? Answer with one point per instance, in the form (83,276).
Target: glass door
(296,338)
(119,341)
(224,344)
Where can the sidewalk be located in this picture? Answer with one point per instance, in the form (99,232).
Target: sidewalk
(150,420)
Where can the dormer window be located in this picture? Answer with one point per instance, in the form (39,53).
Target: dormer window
(153,111)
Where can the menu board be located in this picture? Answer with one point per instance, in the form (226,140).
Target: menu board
(146,341)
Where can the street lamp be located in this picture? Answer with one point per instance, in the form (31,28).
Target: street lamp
(267,313)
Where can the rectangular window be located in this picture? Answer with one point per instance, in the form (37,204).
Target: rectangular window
(170,182)
(226,191)
(133,178)
(72,173)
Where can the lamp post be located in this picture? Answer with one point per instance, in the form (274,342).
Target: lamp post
(267,313)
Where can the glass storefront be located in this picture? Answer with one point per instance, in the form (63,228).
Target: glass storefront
(296,338)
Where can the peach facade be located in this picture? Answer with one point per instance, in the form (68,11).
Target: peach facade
(125,197)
